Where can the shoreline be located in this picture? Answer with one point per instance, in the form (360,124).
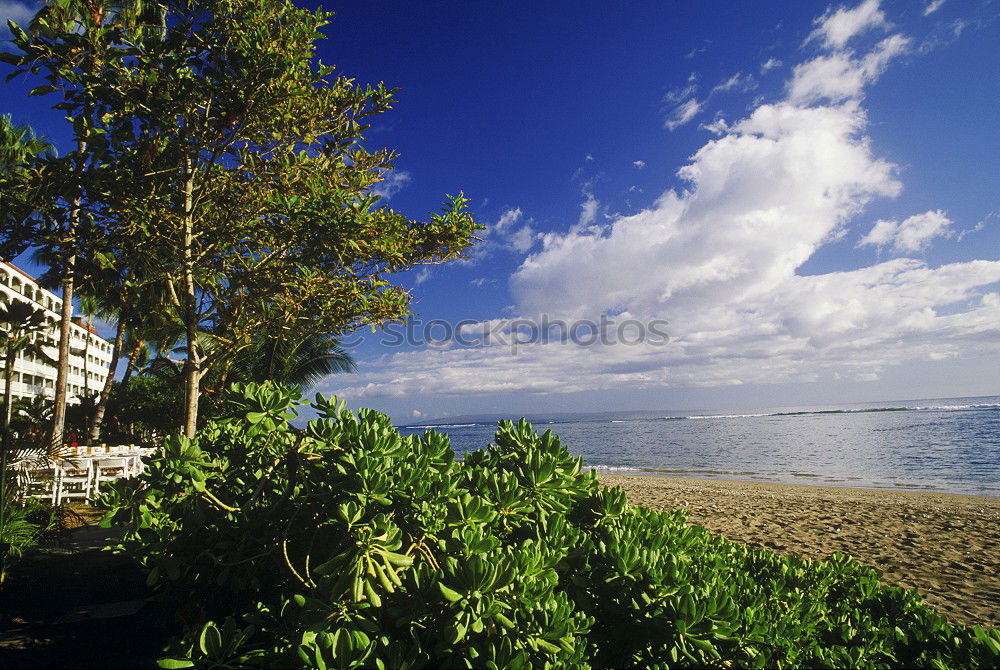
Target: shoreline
(743,480)
(946,545)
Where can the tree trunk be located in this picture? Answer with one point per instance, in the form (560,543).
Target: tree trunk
(192,365)
(133,359)
(62,370)
(86,368)
(102,400)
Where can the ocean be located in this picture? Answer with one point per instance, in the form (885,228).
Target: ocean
(943,444)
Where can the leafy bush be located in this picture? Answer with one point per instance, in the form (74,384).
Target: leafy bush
(346,545)
(23,523)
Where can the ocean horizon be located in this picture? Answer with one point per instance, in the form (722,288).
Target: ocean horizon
(935,444)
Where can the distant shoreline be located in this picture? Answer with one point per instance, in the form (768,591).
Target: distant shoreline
(947,545)
(911,404)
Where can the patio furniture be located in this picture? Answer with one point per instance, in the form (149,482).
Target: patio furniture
(109,469)
(75,480)
(42,483)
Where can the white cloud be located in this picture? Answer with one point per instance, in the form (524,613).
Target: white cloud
(694,52)
(760,200)
(423,275)
(391,184)
(932,7)
(523,239)
(720,261)
(835,28)
(588,212)
(20,13)
(511,232)
(913,234)
(738,80)
(684,106)
(677,95)
(479,282)
(840,76)
(683,113)
(717,127)
(507,219)
(639,164)
(769,65)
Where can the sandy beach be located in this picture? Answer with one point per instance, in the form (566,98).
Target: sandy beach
(946,546)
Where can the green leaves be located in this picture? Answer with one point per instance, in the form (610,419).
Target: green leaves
(346,545)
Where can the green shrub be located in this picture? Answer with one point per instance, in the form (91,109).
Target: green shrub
(347,545)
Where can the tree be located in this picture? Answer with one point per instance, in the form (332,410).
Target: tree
(302,361)
(260,185)
(88,309)
(71,42)
(247,156)
(235,161)
(18,145)
(20,326)
(19,321)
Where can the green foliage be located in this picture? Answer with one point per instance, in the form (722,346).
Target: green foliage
(300,361)
(347,545)
(144,410)
(22,525)
(219,159)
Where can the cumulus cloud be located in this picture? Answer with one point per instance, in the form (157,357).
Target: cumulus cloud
(588,212)
(639,164)
(841,75)
(720,259)
(760,200)
(836,28)
(523,239)
(911,235)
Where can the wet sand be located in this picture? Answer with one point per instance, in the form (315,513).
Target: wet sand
(946,546)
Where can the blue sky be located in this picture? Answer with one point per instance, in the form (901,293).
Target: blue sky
(807,194)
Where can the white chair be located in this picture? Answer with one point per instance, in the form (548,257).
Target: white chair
(109,469)
(75,480)
(43,483)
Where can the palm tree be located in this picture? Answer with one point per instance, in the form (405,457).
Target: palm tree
(18,144)
(79,19)
(20,326)
(88,308)
(303,362)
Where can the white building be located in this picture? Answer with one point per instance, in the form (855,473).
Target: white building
(90,355)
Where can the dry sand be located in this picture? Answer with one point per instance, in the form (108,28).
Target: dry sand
(945,545)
